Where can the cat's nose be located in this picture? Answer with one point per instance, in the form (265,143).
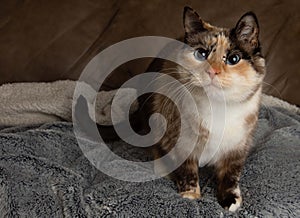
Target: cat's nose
(213,71)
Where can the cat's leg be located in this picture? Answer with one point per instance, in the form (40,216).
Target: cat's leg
(228,171)
(186,177)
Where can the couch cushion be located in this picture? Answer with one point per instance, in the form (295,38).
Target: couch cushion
(42,41)
(45,42)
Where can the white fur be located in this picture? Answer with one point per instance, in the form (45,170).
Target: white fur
(238,200)
(226,124)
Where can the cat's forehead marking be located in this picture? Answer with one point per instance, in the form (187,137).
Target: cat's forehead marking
(222,40)
(220,47)
(213,40)
(210,41)
(216,38)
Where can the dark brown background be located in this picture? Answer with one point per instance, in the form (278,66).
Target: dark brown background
(50,40)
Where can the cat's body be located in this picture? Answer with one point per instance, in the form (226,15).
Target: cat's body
(223,72)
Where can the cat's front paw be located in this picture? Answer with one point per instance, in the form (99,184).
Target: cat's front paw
(192,194)
(230,200)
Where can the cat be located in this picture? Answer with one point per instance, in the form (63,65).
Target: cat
(222,64)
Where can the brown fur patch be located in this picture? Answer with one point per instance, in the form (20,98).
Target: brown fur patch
(242,68)
(231,163)
(251,119)
(186,177)
(228,173)
(202,140)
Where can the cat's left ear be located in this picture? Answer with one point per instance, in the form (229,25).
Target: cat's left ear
(192,22)
(247,31)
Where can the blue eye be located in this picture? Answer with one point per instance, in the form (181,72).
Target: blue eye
(201,54)
(233,59)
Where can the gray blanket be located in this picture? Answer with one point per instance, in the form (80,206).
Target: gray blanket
(43,173)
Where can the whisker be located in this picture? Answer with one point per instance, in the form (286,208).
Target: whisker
(172,82)
(164,74)
(274,88)
(189,86)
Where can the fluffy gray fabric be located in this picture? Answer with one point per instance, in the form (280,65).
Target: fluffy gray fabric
(37,102)
(43,173)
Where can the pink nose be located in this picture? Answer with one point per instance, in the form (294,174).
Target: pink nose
(212,72)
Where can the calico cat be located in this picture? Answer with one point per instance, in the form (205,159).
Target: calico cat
(226,63)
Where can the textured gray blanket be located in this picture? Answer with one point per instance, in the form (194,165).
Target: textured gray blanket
(43,173)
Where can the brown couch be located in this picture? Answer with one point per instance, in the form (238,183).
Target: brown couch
(51,40)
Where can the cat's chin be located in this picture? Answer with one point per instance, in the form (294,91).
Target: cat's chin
(211,87)
(208,83)
(214,91)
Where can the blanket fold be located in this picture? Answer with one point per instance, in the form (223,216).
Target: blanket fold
(43,173)
(37,103)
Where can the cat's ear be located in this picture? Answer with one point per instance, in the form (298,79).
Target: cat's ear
(192,22)
(247,31)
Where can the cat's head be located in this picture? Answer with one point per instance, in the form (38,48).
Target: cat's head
(224,59)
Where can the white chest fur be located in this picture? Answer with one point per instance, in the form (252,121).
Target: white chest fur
(226,124)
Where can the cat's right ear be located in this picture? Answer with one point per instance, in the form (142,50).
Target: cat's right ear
(192,22)
(247,31)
